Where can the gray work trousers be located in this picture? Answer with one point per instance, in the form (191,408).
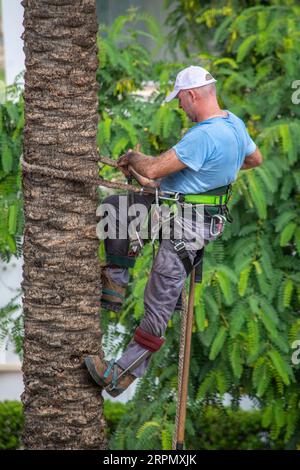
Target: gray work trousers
(163,288)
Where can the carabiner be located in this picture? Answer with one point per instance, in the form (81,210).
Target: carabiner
(222,220)
(170,198)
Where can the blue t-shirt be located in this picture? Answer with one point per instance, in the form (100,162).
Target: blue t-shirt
(213,150)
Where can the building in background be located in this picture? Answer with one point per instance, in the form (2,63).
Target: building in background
(12,27)
(1,47)
(2,83)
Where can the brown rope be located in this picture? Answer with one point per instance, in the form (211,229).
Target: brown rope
(86,179)
(184,316)
(186,364)
(109,161)
(61,173)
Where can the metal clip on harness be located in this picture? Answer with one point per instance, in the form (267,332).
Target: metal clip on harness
(213,223)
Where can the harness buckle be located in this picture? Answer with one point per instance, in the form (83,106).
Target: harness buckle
(179,246)
(174,197)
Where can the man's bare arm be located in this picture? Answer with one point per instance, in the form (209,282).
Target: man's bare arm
(142,179)
(252,160)
(152,167)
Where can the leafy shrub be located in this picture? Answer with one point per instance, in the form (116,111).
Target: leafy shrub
(216,429)
(113,412)
(11,424)
(232,430)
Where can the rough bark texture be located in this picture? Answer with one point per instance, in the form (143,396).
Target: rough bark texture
(61,274)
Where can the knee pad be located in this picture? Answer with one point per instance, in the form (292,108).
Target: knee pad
(148,341)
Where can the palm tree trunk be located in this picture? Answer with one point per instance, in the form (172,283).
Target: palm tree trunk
(61,281)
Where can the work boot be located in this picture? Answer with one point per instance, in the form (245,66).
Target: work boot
(106,375)
(113,295)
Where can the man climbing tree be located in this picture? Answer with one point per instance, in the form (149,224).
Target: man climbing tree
(198,172)
(61,277)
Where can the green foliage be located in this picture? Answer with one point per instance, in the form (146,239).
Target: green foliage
(218,429)
(192,24)
(11,325)
(113,413)
(11,425)
(247,308)
(11,204)
(126,117)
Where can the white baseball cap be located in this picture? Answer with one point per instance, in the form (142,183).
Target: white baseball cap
(190,77)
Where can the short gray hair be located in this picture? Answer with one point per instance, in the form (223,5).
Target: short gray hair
(206,90)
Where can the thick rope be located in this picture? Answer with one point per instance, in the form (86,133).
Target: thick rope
(55,173)
(184,317)
(70,175)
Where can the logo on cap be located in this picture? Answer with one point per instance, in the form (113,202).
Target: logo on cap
(208,76)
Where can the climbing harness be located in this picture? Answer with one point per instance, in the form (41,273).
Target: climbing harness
(214,201)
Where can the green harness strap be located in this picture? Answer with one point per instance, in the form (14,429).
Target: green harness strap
(218,196)
(204,199)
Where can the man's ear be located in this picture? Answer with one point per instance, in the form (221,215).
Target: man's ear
(198,96)
(193,95)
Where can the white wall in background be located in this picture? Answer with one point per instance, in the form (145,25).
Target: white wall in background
(12,19)
(11,382)
(11,385)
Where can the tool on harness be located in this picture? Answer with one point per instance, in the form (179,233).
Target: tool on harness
(135,242)
(157,217)
(198,266)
